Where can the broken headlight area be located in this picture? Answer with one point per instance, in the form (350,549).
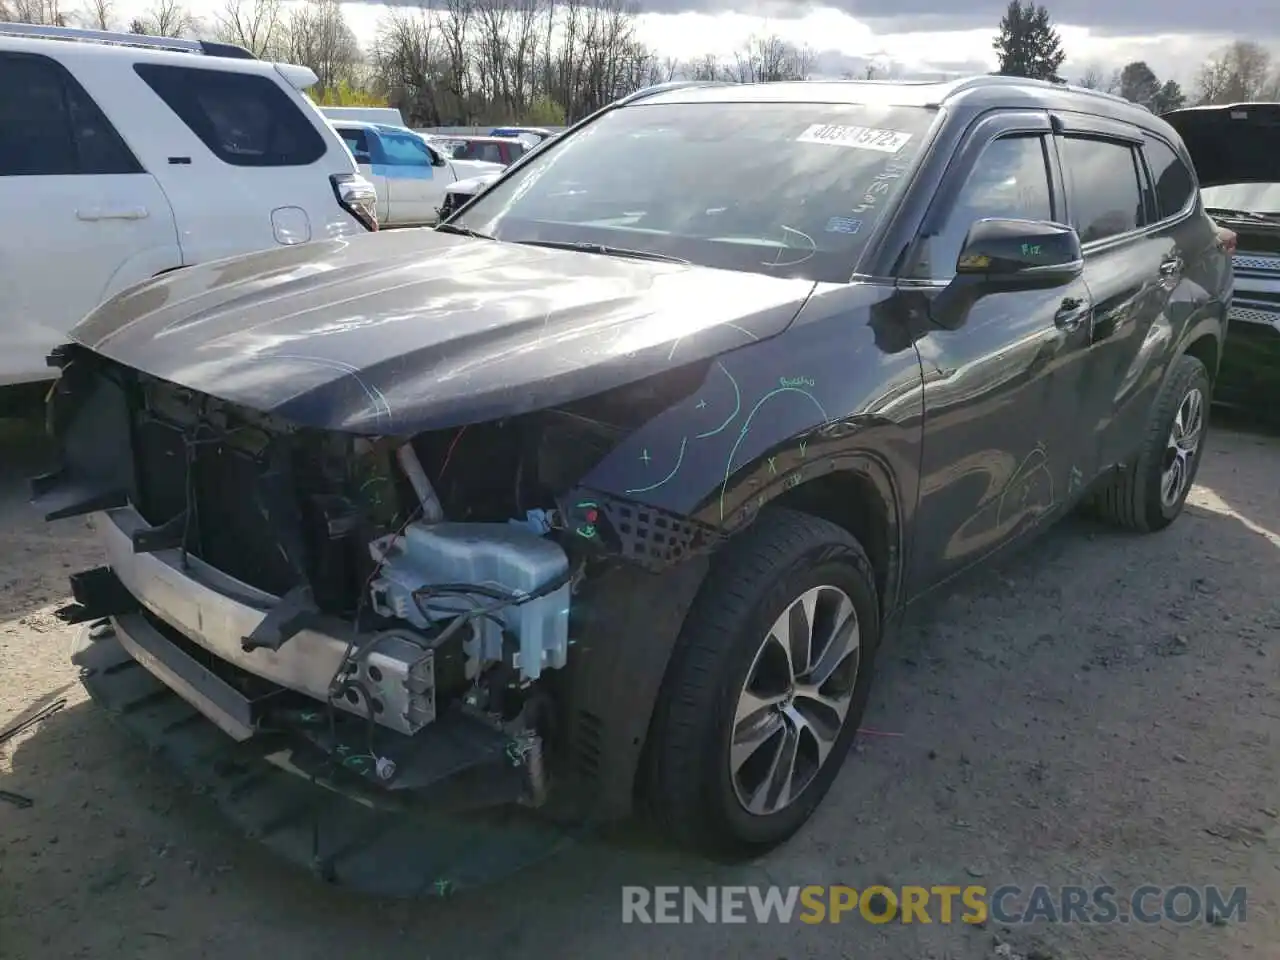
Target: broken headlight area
(403,608)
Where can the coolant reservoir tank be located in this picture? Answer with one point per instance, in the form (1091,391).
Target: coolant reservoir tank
(495,555)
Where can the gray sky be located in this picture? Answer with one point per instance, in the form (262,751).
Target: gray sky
(1127,17)
(1255,18)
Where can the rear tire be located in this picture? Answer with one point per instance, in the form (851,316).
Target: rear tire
(1149,493)
(732,678)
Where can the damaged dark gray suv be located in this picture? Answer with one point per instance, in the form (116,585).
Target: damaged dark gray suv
(610,487)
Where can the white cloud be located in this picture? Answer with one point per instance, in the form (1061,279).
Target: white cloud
(691,35)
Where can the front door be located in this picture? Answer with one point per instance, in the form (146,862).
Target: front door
(1001,445)
(415,187)
(82,218)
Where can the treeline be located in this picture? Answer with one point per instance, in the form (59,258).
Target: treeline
(549,62)
(1028,45)
(461,62)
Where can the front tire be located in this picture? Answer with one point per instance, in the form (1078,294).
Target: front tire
(766,687)
(1150,492)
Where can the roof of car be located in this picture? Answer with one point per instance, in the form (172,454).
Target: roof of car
(371,125)
(984,91)
(137,48)
(486,138)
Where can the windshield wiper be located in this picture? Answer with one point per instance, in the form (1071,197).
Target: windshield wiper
(602,249)
(1242,214)
(461,231)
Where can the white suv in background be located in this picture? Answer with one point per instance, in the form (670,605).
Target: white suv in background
(125,156)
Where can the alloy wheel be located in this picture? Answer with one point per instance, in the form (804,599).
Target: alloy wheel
(793,705)
(1181,447)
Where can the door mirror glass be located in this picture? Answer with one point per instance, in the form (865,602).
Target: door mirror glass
(1020,253)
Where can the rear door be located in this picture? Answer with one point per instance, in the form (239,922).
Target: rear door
(415,186)
(81,218)
(1135,261)
(245,168)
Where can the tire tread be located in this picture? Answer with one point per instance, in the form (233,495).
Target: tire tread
(1123,501)
(732,587)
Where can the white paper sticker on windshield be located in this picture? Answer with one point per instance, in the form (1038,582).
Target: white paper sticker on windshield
(866,138)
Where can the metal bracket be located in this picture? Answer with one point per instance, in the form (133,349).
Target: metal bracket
(296,610)
(168,536)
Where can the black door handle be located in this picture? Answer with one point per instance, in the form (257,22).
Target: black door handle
(1071,313)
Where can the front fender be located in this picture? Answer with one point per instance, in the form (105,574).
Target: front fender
(772,414)
(837,395)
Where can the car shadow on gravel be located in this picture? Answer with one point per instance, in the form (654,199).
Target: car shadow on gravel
(971,769)
(1093,704)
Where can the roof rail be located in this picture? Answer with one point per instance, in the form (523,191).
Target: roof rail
(997,79)
(207,47)
(657,88)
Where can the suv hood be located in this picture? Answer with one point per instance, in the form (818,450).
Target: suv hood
(411,330)
(474,185)
(466,169)
(1235,143)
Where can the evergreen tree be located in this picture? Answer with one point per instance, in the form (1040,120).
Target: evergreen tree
(1169,98)
(1139,83)
(1027,44)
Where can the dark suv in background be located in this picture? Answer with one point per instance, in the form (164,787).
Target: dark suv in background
(1236,151)
(610,487)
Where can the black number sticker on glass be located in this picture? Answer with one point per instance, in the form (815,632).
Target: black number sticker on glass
(864,138)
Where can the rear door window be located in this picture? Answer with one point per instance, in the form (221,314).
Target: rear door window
(1104,193)
(245,119)
(480,150)
(50,126)
(1174,182)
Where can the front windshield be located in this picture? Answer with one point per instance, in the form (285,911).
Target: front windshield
(787,189)
(1250,197)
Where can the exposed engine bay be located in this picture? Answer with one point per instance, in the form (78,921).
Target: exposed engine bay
(353,592)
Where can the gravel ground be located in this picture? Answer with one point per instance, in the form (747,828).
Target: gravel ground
(1097,709)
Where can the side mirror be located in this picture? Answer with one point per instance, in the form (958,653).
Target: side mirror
(1017,254)
(436,159)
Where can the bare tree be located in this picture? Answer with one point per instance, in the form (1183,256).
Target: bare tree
(44,12)
(706,67)
(1240,71)
(166,18)
(763,59)
(320,38)
(1091,79)
(475,61)
(100,14)
(410,58)
(256,25)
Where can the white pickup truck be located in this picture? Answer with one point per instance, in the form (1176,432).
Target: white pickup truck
(409,175)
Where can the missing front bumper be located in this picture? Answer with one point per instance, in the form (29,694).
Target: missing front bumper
(217,612)
(346,836)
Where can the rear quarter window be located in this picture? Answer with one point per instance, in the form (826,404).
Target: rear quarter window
(245,119)
(1174,182)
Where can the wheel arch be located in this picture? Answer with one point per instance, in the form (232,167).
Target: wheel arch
(860,496)
(1205,345)
(612,698)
